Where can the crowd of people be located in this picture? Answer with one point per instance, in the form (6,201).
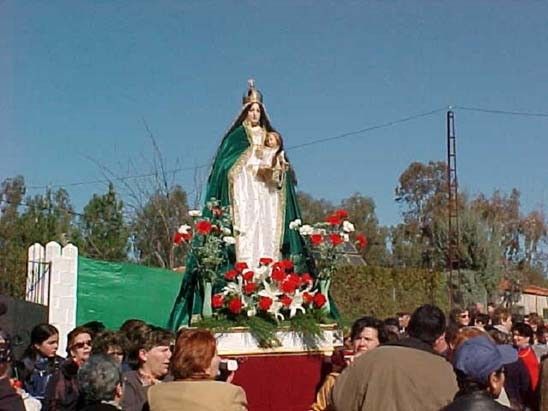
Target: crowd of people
(425,360)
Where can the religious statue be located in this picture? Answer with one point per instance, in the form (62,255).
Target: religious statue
(251,175)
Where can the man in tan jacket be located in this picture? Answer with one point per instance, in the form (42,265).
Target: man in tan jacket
(409,376)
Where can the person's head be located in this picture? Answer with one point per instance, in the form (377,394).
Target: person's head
(490,309)
(100,379)
(79,344)
(522,335)
(502,316)
(499,337)
(479,365)
(392,329)
(154,353)
(463,334)
(535,321)
(195,355)
(366,334)
(113,343)
(459,316)
(273,140)
(5,354)
(481,320)
(403,320)
(253,115)
(131,324)
(95,327)
(44,341)
(427,324)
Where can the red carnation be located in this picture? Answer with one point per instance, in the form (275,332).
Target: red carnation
(336,239)
(203,227)
(235,306)
(287,265)
(187,236)
(265,261)
(342,214)
(285,300)
(265,303)
(333,219)
(250,288)
(248,275)
(277,274)
(361,240)
(217,301)
(306,278)
(319,300)
(241,266)
(289,285)
(177,238)
(231,275)
(307,297)
(316,239)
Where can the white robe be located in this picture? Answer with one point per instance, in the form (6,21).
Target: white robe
(257,208)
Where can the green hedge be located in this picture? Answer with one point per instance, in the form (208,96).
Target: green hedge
(382,292)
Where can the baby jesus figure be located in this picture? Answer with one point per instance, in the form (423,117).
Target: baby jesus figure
(273,163)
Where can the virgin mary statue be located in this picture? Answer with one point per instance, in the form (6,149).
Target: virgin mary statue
(260,212)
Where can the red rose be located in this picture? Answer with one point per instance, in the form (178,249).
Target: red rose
(217,300)
(307,297)
(177,238)
(265,261)
(187,236)
(361,240)
(285,300)
(265,303)
(336,239)
(250,288)
(203,227)
(316,239)
(241,266)
(287,265)
(319,300)
(277,274)
(217,211)
(306,279)
(231,275)
(333,219)
(248,275)
(235,306)
(342,214)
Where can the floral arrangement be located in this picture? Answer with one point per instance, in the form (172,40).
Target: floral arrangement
(271,294)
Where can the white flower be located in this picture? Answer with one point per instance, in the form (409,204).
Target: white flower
(306,230)
(262,272)
(238,231)
(195,213)
(295,224)
(226,231)
(184,229)
(229,240)
(251,312)
(348,227)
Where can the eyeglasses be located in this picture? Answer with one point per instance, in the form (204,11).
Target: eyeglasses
(464,316)
(80,345)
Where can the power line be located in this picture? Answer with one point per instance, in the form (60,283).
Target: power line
(181,169)
(503,112)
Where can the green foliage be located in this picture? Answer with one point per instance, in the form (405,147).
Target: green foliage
(382,292)
(103,229)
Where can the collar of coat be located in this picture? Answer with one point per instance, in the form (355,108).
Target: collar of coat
(411,342)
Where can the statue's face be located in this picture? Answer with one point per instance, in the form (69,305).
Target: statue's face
(254,114)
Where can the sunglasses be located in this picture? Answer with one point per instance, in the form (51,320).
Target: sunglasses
(464,316)
(82,344)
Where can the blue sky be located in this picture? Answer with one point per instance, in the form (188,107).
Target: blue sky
(77,78)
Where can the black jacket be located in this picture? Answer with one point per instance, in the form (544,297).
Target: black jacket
(474,401)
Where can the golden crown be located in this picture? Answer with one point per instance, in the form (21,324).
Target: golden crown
(252,95)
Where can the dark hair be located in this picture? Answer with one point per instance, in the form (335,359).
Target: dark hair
(38,335)
(427,323)
(194,350)
(149,337)
(95,327)
(263,121)
(482,318)
(368,322)
(500,314)
(468,385)
(131,324)
(102,342)
(524,330)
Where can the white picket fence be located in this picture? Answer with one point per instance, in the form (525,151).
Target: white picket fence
(52,273)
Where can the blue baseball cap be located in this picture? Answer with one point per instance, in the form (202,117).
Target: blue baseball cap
(479,356)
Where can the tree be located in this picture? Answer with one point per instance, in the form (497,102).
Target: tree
(104,231)
(313,209)
(154,224)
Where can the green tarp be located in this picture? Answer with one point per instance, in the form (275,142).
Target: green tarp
(114,292)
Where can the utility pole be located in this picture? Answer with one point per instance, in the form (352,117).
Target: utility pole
(455,295)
